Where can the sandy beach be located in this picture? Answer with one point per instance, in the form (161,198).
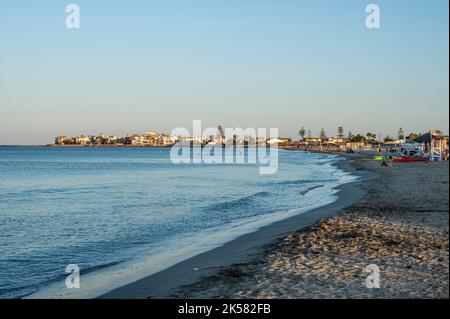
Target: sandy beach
(394,217)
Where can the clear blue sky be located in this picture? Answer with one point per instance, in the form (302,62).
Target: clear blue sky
(141,65)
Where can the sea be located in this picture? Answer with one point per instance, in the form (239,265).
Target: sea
(120,214)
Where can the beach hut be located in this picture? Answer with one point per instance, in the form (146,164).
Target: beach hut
(435,144)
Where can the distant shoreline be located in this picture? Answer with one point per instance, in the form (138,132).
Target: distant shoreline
(43,145)
(116,146)
(87,146)
(111,145)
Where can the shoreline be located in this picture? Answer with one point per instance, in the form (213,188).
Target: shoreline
(399,230)
(246,247)
(106,146)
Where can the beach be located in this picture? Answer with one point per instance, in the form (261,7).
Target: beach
(395,218)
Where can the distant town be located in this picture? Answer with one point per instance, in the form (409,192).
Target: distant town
(154,139)
(146,139)
(340,141)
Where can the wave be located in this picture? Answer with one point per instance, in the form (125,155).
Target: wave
(51,191)
(307,181)
(237,203)
(23,291)
(306,191)
(99,267)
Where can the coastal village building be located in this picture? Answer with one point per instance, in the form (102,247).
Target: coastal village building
(261,140)
(83,140)
(436,144)
(280,140)
(147,139)
(395,142)
(356,145)
(99,139)
(311,140)
(337,140)
(285,140)
(112,139)
(61,140)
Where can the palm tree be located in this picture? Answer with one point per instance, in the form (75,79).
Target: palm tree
(221,134)
(302,133)
(411,137)
(350,135)
(220,129)
(358,138)
(371,136)
(323,135)
(401,134)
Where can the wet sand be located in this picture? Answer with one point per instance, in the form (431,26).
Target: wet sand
(395,218)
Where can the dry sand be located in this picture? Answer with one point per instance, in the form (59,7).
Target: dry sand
(401,226)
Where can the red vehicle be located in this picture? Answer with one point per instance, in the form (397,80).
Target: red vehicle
(409,159)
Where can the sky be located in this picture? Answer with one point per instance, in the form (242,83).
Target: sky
(136,66)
